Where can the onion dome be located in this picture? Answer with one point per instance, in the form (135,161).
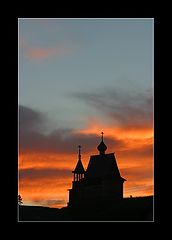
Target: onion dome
(102,146)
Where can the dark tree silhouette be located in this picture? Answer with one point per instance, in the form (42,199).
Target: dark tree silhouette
(20,200)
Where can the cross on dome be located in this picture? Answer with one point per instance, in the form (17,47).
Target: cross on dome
(102,135)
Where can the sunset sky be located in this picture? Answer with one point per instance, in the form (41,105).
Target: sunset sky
(77,78)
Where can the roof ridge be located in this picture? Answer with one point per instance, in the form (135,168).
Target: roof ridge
(104,154)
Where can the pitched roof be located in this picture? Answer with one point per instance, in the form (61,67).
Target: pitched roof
(104,165)
(79,167)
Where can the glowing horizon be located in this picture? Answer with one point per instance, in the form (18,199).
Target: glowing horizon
(56,184)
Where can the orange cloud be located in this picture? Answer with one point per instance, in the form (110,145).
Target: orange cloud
(46,160)
(42,53)
(45,188)
(93,127)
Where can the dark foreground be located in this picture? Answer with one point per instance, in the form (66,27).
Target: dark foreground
(129,209)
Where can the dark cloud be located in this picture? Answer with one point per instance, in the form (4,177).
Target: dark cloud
(125,108)
(32,139)
(32,173)
(57,143)
(30,119)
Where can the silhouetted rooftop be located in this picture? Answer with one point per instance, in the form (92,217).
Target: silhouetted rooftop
(79,167)
(103,165)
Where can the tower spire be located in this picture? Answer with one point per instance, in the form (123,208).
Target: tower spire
(79,169)
(79,152)
(102,135)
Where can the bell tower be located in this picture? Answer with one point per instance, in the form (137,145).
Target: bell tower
(78,172)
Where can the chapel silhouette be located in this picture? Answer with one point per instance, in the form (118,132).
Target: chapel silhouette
(101,183)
